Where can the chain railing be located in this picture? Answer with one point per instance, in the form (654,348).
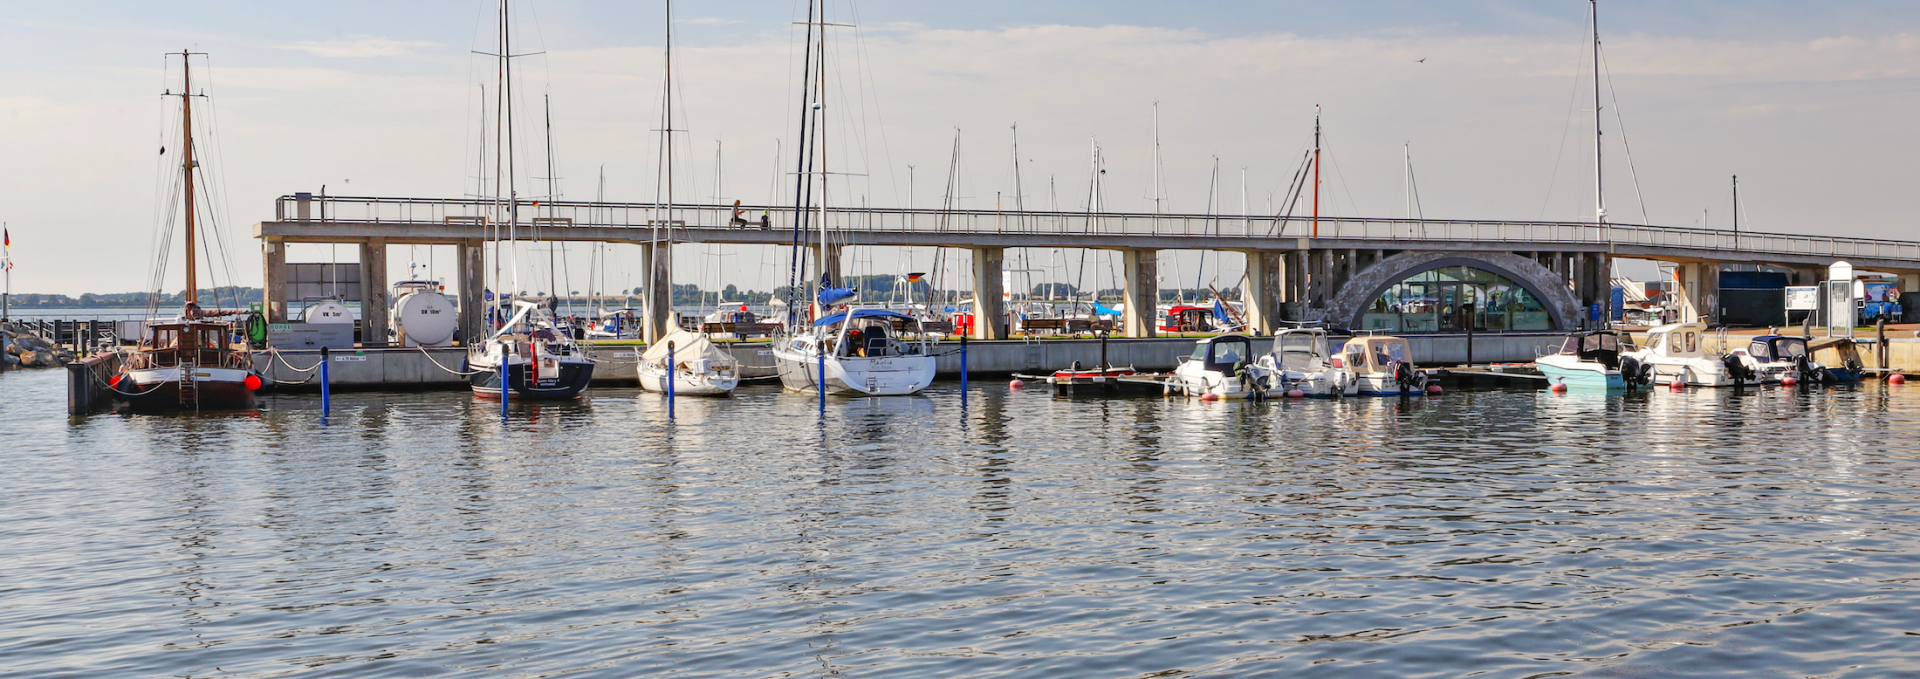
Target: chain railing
(544,214)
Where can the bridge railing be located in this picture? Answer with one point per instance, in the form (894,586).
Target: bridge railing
(853,220)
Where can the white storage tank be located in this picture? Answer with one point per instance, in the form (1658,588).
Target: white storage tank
(327,311)
(422,315)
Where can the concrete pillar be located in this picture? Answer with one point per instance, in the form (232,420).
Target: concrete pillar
(1604,263)
(1698,292)
(473,305)
(1264,290)
(1298,268)
(656,300)
(373,292)
(1141,268)
(275,278)
(989,311)
(1322,284)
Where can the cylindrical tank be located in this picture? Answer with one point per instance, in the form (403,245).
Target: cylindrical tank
(422,317)
(327,311)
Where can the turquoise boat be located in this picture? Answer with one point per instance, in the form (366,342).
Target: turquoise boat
(1592,360)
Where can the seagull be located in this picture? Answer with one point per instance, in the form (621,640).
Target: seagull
(1422,60)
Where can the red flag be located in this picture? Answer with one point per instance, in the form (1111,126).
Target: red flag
(8,235)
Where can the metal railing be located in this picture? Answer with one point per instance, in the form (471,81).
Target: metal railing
(562,214)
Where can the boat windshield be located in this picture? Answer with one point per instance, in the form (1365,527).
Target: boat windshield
(1302,351)
(1790,348)
(1228,353)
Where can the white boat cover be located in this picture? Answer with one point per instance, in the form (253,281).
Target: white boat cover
(688,346)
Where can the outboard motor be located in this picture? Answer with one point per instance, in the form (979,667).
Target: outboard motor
(1633,373)
(1404,376)
(1737,369)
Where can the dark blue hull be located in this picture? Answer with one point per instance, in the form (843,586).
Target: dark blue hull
(572,379)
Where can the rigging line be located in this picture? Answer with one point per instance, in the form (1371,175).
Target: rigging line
(1622,124)
(1566,128)
(1352,204)
(873,88)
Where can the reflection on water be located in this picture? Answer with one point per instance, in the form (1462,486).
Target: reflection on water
(1488,533)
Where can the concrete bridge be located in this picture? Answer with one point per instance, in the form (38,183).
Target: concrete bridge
(1298,268)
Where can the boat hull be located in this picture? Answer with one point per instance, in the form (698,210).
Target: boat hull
(571,381)
(1597,377)
(688,384)
(855,376)
(158,389)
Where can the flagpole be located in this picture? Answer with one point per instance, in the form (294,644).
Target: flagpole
(6,297)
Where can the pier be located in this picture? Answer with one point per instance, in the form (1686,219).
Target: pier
(1327,269)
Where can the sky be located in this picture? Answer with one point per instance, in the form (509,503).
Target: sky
(1809,103)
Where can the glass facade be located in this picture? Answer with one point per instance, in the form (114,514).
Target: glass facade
(1452,298)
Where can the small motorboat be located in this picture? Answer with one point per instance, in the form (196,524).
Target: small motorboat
(698,368)
(1383,366)
(1677,351)
(1301,360)
(1592,360)
(1839,355)
(1224,366)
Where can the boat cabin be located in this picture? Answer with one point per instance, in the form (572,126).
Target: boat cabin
(1600,346)
(1368,355)
(1225,353)
(873,333)
(1777,348)
(1303,350)
(199,343)
(1678,340)
(1188,319)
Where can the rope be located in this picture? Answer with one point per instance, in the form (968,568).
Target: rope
(283,361)
(436,364)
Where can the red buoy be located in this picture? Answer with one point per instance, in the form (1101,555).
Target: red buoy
(1897,378)
(1016,384)
(1559,387)
(1434,389)
(253,382)
(1296,393)
(1209,396)
(115,382)
(1788,380)
(1677,384)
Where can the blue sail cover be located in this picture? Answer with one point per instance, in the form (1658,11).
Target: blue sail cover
(1104,310)
(832,296)
(1220,311)
(861,313)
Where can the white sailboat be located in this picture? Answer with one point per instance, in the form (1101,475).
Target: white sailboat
(870,352)
(692,364)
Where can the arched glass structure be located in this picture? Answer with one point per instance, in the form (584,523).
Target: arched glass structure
(1452,298)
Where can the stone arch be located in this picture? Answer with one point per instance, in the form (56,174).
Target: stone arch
(1346,306)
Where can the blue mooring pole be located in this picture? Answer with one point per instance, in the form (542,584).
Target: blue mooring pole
(821,385)
(503,370)
(672,358)
(326,386)
(963,370)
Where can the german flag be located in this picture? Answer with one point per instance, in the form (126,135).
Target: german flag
(914,277)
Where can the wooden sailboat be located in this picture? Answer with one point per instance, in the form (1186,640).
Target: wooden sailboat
(191,362)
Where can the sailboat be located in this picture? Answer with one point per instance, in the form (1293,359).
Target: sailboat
(683,361)
(869,352)
(191,362)
(529,356)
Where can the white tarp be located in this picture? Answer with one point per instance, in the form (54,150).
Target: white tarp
(687,346)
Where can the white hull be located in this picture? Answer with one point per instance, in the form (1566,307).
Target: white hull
(1324,384)
(881,376)
(688,383)
(1692,371)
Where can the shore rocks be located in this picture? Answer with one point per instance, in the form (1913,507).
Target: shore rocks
(27,350)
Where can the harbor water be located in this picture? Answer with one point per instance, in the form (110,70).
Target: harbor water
(1502,533)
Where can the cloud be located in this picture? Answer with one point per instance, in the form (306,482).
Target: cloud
(360,47)
(709,21)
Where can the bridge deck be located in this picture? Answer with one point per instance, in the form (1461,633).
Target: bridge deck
(413,220)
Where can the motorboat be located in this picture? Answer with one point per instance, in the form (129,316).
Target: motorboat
(1224,366)
(615,324)
(1383,365)
(539,361)
(696,366)
(1592,360)
(1677,351)
(1839,355)
(862,352)
(1301,360)
(191,363)
(1773,357)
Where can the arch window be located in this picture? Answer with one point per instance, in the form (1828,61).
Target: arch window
(1454,298)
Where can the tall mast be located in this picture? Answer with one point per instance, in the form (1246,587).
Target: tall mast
(1316,171)
(1599,192)
(1156,157)
(553,194)
(1736,210)
(186,168)
(819,146)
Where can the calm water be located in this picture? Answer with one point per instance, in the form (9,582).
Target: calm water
(1492,534)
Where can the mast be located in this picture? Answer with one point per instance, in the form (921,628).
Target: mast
(802,182)
(1599,192)
(553,194)
(1156,157)
(186,169)
(1736,211)
(1316,171)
